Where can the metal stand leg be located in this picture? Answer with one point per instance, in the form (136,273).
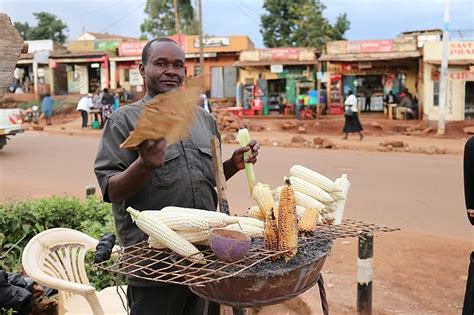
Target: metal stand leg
(322,294)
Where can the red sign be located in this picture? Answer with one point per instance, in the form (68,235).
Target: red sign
(131,48)
(280,54)
(466,75)
(464,49)
(369,46)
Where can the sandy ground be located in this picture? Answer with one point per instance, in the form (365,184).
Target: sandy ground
(418,270)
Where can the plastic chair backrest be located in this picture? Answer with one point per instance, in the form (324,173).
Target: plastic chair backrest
(55,258)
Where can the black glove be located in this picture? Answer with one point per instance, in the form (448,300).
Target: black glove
(104,248)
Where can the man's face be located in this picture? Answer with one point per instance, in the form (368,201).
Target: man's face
(164,70)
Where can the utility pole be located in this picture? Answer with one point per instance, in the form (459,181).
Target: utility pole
(443,89)
(201,44)
(177,22)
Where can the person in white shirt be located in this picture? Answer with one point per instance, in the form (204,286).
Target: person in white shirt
(84,106)
(351,115)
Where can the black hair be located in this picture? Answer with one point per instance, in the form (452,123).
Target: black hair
(106,90)
(349,93)
(146,49)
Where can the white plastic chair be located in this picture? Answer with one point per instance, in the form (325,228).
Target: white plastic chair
(55,258)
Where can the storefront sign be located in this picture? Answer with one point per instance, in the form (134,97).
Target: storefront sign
(135,77)
(213,42)
(369,46)
(461,50)
(131,48)
(280,54)
(106,45)
(276,68)
(365,65)
(463,76)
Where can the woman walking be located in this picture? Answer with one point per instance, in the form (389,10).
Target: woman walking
(352,122)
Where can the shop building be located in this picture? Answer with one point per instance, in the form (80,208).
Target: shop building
(371,69)
(460,92)
(277,75)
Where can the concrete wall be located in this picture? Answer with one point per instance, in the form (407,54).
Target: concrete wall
(456,94)
(432,51)
(10,47)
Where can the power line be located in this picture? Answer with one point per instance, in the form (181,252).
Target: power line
(245,13)
(123,17)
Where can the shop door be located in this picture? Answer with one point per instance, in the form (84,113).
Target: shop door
(217,82)
(83,80)
(469,100)
(230,80)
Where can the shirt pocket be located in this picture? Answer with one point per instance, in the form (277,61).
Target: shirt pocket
(170,174)
(207,164)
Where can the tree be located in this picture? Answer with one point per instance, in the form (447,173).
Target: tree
(299,23)
(161,18)
(49,27)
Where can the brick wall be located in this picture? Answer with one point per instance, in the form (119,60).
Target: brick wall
(11,45)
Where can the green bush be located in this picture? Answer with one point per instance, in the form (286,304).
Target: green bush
(21,220)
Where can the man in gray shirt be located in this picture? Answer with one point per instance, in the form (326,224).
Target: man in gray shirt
(158,175)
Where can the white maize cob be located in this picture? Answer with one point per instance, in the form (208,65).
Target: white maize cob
(183,221)
(152,226)
(193,237)
(214,218)
(314,178)
(252,222)
(345,185)
(262,195)
(248,230)
(244,139)
(302,200)
(311,190)
(254,212)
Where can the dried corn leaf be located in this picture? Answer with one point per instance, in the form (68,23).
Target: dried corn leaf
(169,115)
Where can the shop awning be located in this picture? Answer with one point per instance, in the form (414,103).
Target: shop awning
(465,62)
(274,62)
(69,55)
(371,56)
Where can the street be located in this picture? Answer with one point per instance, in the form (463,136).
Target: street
(416,192)
(393,189)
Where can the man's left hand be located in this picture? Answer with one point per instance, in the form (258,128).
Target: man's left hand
(238,155)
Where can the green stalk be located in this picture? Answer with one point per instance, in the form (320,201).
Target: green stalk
(244,140)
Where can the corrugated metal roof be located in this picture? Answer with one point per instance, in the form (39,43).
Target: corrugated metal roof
(78,54)
(371,56)
(274,62)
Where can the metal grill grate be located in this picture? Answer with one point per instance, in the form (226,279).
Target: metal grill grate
(146,263)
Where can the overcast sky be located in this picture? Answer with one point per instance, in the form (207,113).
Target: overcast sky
(370,19)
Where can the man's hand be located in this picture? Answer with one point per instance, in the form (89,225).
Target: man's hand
(152,154)
(470,213)
(238,155)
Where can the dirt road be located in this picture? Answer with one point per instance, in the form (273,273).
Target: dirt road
(421,269)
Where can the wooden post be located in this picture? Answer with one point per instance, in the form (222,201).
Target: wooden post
(364,273)
(318,88)
(90,190)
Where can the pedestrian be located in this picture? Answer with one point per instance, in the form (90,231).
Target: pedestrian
(468,307)
(368,96)
(116,103)
(97,100)
(84,106)
(351,117)
(157,175)
(205,103)
(406,108)
(107,104)
(47,108)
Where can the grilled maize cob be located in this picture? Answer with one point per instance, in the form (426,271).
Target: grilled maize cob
(152,226)
(299,210)
(314,178)
(345,185)
(287,223)
(193,237)
(302,200)
(309,221)
(310,190)
(271,232)
(263,197)
(254,212)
